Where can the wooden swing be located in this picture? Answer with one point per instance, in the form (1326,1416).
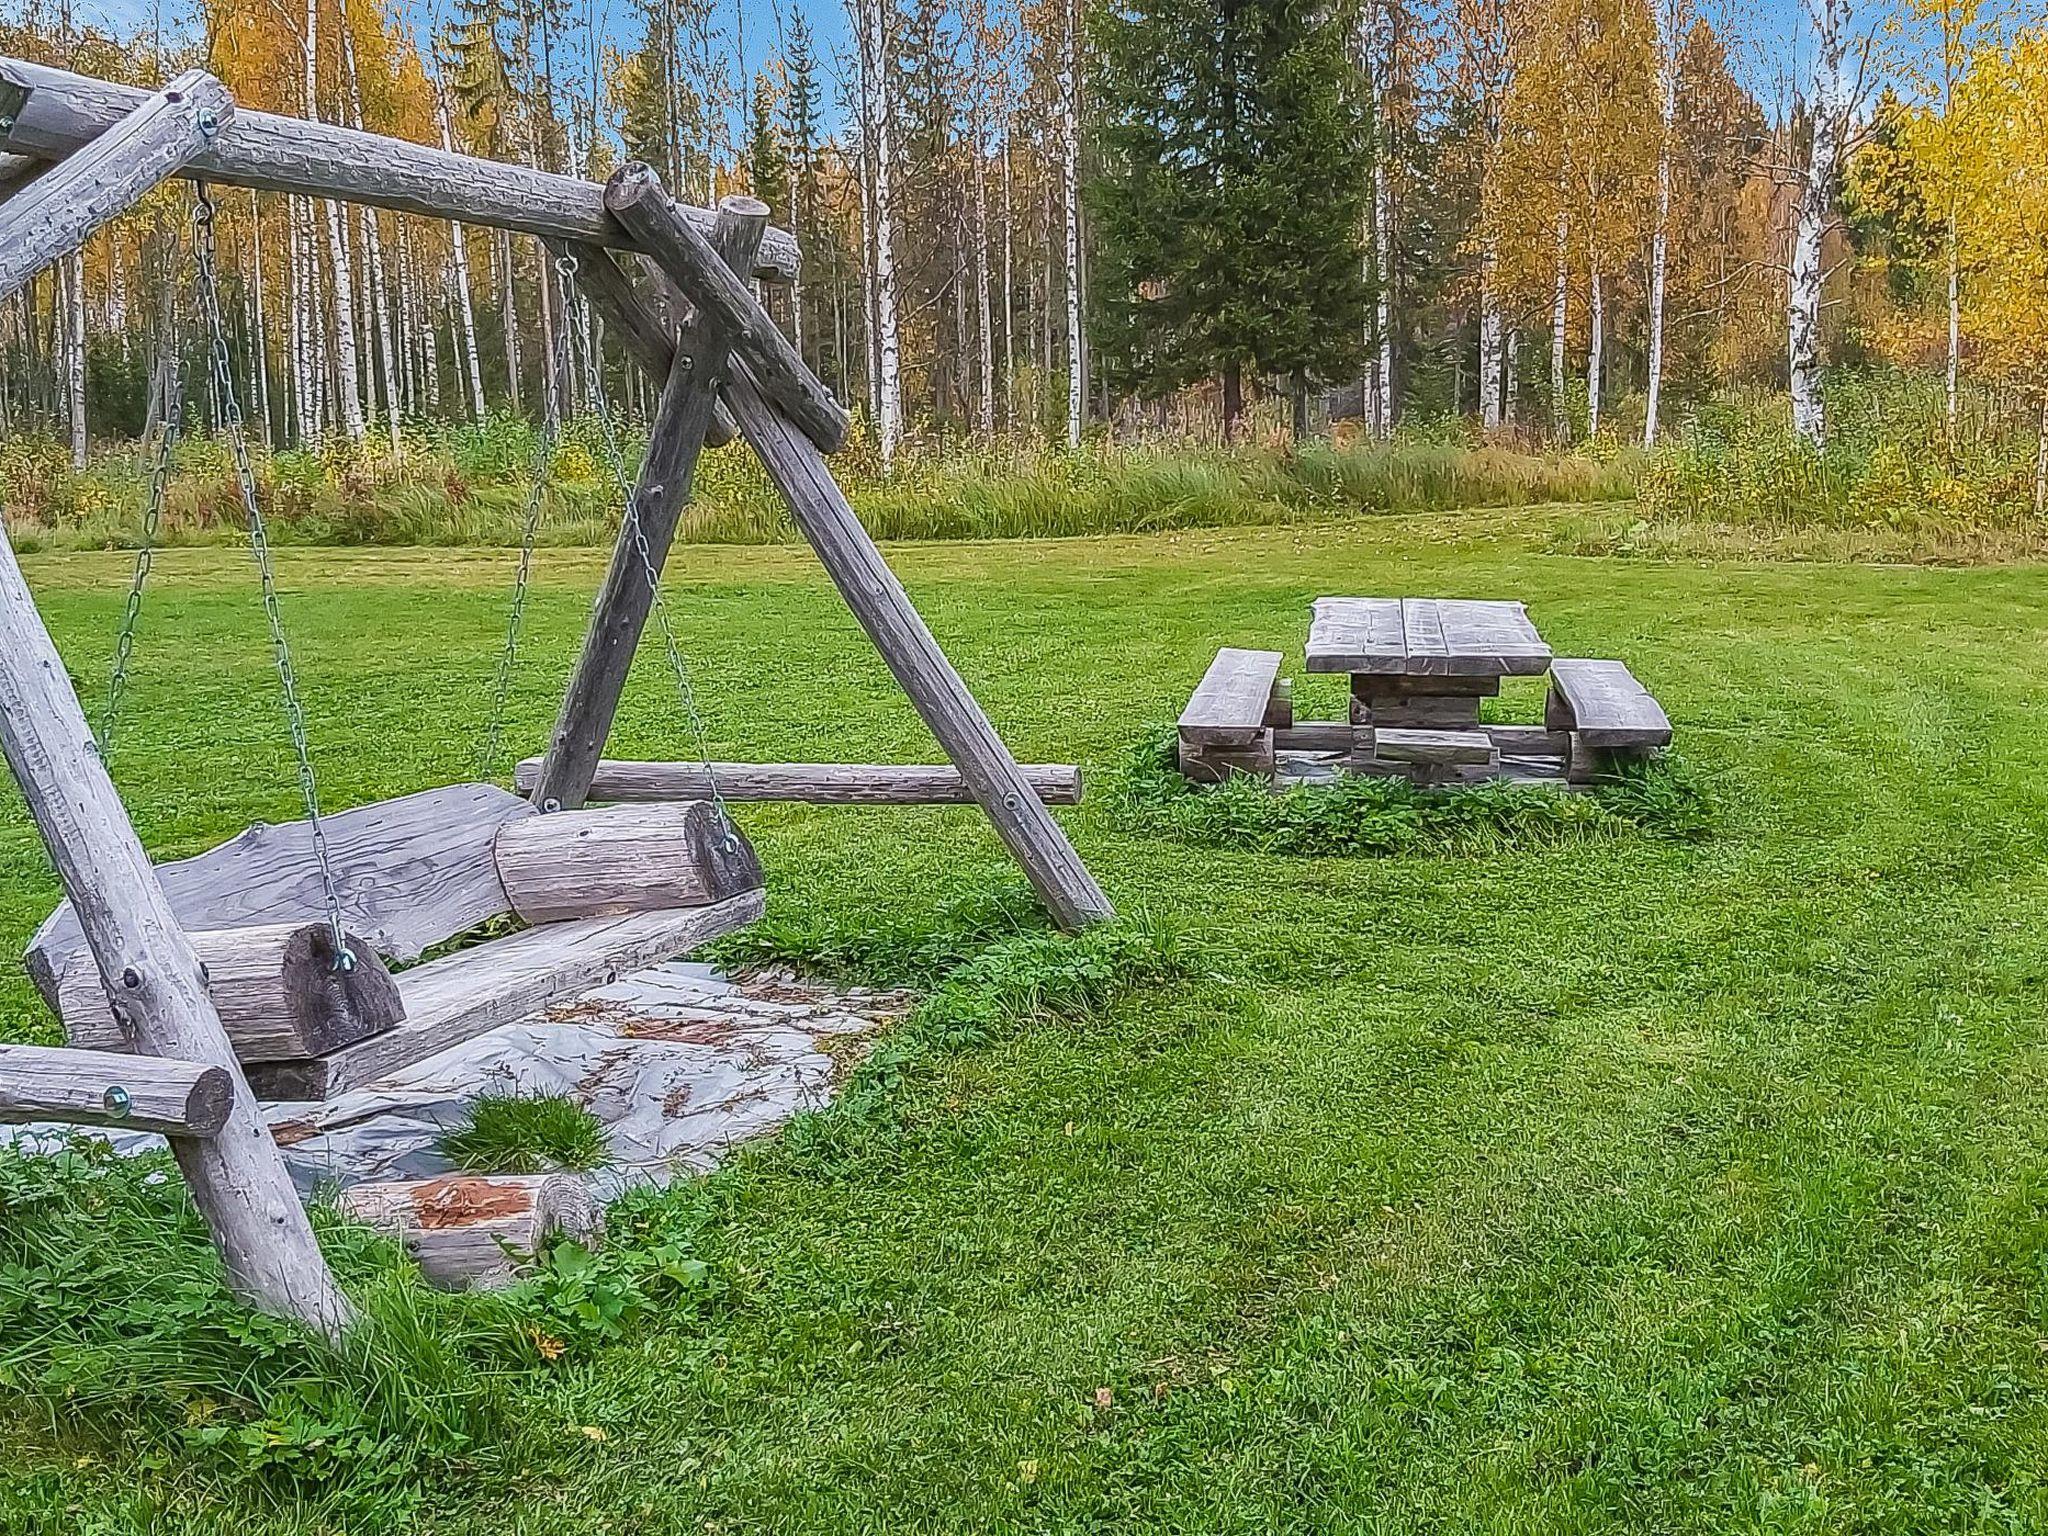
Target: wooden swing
(264,959)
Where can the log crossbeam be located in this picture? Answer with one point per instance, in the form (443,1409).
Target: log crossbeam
(55,213)
(50,113)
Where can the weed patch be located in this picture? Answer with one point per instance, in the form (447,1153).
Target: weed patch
(538,1133)
(1360,817)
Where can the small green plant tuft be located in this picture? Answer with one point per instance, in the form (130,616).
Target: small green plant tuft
(1360,817)
(527,1133)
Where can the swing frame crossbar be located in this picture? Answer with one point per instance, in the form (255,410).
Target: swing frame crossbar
(76,152)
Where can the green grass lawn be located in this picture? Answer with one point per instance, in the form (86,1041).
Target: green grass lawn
(1631,1185)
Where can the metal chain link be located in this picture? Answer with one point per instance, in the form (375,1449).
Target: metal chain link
(152,523)
(229,406)
(594,385)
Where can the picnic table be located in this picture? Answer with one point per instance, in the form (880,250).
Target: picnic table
(1419,667)
(1425,637)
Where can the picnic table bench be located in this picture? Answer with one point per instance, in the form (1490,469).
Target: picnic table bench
(1605,712)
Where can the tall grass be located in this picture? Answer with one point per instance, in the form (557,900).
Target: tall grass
(469,485)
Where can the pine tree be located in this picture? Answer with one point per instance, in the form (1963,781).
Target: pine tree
(1228,207)
(767,156)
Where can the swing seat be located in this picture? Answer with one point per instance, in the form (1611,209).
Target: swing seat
(606,892)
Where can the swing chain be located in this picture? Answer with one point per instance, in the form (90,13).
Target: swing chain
(145,556)
(508,655)
(228,405)
(616,459)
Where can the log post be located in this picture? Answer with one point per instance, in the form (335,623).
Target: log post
(943,701)
(56,213)
(645,335)
(237,1178)
(627,596)
(720,296)
(134,1093)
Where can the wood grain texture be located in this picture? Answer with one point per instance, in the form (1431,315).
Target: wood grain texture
(237,1180)
(55,214)
(412,872)
(473,990)
(725,303)
(624,858)
(1492,638)
(136,1093)
(1357,634)
(467,1230)
(57,113)
(1433,747)
(1228,707)
(626,598)
(1608,707)
(808,783)
(275,987)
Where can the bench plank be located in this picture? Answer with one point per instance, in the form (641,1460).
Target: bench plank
(412,872)
(1357,634)
(1609,708)
(460,996)
(1229,704)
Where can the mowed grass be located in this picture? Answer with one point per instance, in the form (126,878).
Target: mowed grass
(1629,1185)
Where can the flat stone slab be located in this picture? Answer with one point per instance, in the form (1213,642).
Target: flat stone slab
(680,1063)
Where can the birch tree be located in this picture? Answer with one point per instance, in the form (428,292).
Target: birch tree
(1824,126)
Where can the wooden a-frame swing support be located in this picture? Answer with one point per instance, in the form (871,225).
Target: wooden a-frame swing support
(74,153)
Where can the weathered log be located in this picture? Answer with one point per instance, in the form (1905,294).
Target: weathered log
(477,1229)
(806,783)
(624,858)
(942,700)
(276,988)
(1434,748)
(722,299)
(1322,736)
(419,873)
(459,996)
(626,598)
(137,1093)
(110,175)
(17,171)
(238,1181)
(53,113)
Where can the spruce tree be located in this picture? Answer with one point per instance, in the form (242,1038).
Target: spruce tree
(1229,195)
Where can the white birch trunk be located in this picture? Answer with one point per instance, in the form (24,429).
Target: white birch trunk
(1955,336)
(1070,165)
(1816,197)
(73,294)
(1560,407)
(1667,96)
(508,316)
(872,21)
(1009,291)
(1596,346)
(984,298)
(1489,338)
(350,378)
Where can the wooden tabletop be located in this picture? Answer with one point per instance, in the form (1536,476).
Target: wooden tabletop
(1425,637)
